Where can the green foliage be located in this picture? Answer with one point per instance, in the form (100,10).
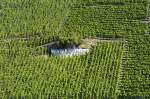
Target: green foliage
(135,80)
(66,42)
(28,75)
(106,72)
(31,17)
(105,20)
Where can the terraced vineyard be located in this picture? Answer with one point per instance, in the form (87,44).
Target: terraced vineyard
(116,67)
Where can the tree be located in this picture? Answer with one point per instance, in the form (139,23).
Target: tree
(69,42)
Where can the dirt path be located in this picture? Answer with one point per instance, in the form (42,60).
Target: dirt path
(88,42)
(92,41)
(49,44)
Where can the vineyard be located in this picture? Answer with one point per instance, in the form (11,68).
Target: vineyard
(105,20)
(117,66)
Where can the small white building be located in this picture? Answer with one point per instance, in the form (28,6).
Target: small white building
(69,52)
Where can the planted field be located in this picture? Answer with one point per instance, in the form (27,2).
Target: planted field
(135,80)
(31,18)
(92,75)
(114,32)
(102,71)
(101,20)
